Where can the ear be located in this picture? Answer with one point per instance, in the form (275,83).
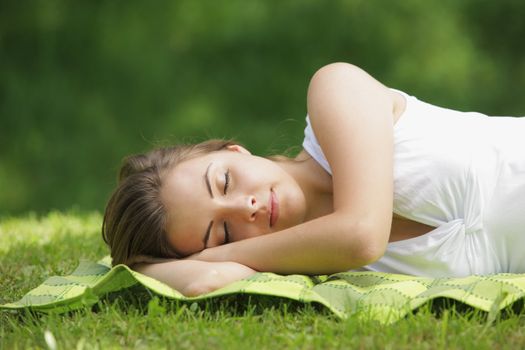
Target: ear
(237,148)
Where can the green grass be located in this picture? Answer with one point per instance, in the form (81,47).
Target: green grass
(33,248)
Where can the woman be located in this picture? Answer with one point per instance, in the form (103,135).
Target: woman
(384,182)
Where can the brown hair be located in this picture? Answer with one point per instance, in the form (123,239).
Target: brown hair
(134,221)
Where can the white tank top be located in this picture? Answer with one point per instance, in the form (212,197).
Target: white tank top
(464,174)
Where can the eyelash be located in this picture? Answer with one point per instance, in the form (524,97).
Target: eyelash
(226,181)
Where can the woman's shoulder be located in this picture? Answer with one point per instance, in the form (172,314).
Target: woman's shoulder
(357,82)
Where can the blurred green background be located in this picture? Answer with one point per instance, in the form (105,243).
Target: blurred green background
(84,83)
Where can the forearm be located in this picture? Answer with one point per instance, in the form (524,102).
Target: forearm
(192,278)
(325,245)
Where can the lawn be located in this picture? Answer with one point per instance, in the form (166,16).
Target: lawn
(33,248)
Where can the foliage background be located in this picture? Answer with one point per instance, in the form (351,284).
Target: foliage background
(84,83)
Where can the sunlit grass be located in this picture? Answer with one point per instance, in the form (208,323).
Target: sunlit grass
(33,248)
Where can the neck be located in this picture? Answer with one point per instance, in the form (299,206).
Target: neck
(315,183)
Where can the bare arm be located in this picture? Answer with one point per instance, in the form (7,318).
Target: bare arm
(352,116)
(192,277)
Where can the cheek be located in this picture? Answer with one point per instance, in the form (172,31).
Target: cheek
(241,231)
(184,239)
(253,172)
(293,206)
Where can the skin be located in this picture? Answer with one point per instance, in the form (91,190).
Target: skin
(243,205)
(352,115)
(326,224)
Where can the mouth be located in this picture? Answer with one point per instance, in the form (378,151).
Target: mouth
(274,208)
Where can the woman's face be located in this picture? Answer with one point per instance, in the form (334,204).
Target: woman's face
(228,196)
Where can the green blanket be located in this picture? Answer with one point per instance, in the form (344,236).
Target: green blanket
(381,296)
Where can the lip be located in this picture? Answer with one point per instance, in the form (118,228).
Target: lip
(274,208)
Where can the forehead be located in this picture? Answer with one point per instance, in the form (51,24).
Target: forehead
(188,169)
(182,183)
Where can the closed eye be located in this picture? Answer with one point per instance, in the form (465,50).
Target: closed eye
(226,185)
(226,181)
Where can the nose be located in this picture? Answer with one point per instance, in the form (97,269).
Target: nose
(242,207)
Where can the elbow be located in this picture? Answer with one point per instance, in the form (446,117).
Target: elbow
(371,254)
(374,241)
(367,243)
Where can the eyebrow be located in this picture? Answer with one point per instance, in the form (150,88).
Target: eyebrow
(207,180)
(207,235)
